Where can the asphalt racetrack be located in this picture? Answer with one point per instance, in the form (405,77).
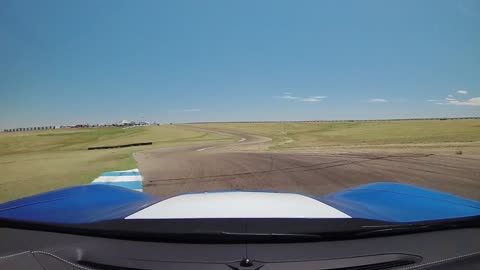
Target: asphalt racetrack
(172,171)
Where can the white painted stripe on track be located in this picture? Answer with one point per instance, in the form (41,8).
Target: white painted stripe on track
(132,170)
(203,149)
(121,180)
(127,178)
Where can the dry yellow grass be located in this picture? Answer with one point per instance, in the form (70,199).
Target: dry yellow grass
(39,161)
(383,134)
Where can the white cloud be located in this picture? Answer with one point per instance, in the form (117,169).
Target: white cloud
(312,99)
(287,93)
(377,100)
(288,97)
(303,99)
(432,100)
(463,92)
(450,95)
(475,101)
(469,102)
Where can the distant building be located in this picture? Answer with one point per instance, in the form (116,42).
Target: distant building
(125,123)
(29,129)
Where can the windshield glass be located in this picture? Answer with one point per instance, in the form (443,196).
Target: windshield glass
(341,110)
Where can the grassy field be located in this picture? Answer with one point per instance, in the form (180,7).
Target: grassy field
(39,161)
(425,133)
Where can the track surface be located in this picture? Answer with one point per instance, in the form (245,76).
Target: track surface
(173,171)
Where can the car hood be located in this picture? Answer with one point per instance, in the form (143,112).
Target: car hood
(391,202)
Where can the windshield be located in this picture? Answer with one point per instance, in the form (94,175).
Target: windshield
(365,113)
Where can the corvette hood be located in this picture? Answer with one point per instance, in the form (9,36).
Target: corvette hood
(400,203)
(379,201)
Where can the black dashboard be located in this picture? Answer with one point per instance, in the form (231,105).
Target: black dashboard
(438,250)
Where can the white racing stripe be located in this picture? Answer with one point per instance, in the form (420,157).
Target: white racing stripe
(237,204)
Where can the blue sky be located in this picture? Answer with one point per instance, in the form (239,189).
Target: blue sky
(66,62)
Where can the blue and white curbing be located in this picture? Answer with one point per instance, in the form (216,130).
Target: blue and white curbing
(131,179)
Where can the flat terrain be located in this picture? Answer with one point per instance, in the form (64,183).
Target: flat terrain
(319,158)
(39,161)
(311,158)
(446,136)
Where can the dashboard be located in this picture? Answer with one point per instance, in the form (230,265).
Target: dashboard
(438,250)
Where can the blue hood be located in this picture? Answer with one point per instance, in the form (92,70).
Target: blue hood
(400,203)
(389,202)
(76,205)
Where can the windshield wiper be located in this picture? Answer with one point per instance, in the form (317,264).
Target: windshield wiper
(246,230)
(275,236)
(469,222)
(366,231)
